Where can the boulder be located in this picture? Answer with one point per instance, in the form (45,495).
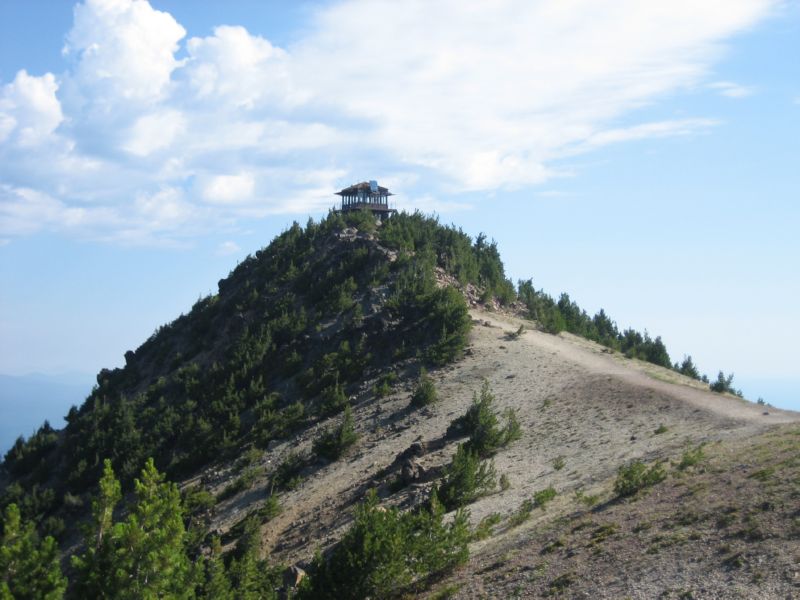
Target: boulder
(411,471)
(293,576)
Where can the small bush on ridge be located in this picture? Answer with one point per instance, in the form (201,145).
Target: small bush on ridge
(636,476)
(425,391)
(466,479)
(333,443)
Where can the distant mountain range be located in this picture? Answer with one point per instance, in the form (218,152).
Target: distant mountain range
(27,400)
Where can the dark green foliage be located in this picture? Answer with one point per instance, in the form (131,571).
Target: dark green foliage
(301,316)
(287,473)
(386,552)
(197,500)
(637,476)
(424,392)
(466,479)
(334,442)
(384,385)
(34,504)
(26,456)
(438,317)
(333,399)
(215,583)
(450,249)
(270,509)
(566,315)
(29,566)
(724,385)
(486,436)
(688,368)
(143,556)
(541,307)
(243,482)
(250,577)
(635,345)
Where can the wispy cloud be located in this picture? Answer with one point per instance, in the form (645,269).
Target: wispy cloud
(133,144)
(228,248)
(731,89)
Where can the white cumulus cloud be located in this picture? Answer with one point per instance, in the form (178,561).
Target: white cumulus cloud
(237,67)
(29,109)
(150,136)
(125,49)
(229,189)
(155,132)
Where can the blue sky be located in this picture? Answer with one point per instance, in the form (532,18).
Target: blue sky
(641,156)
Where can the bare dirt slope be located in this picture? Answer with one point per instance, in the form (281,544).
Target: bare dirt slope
(727,527)
(584,412)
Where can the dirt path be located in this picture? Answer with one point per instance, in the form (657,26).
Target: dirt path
(596,359)
(584,412)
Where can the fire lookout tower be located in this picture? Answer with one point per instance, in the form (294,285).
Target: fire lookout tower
(367,195)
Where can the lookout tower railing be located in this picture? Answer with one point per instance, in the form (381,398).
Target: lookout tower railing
(367,195)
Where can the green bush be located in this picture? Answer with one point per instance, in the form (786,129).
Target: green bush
(522,514)
(688,368)
(333,399)
(386,552)
(637,476)
(425,391)
(270,509)
(384,385)
(333,443)
(197,500)
(542,497)
(724,385)
(486,436)
(287,473)
(466,479)
(485,528)
(691,457)
(241,483)
(588,500)
(29,566)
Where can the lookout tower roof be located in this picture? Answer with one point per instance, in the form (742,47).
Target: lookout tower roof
(367,195)
(365,189)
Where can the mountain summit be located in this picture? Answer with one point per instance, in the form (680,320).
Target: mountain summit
(369,408)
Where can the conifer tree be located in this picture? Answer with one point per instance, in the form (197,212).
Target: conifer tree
(144,556)
(217,585)
(96,566)
(29,568)
(151,549)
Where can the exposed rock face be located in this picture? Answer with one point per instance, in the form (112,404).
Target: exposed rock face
(411,471)
(416,449)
